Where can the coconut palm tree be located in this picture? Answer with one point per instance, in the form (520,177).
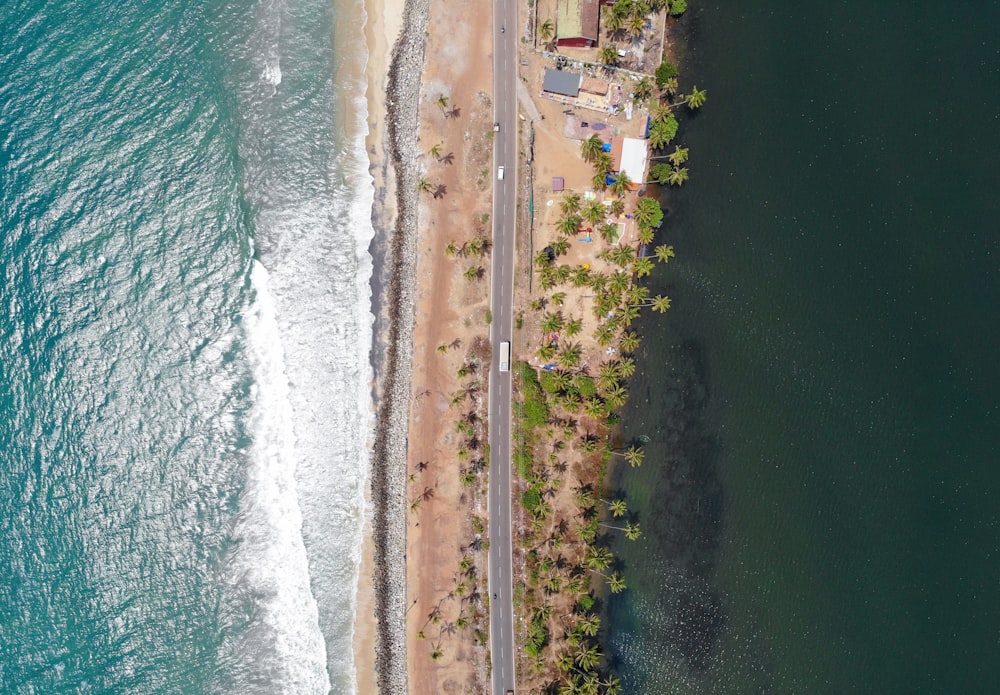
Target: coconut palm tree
(560,247)
(634,455)
(594,212)
(642,266)
(569,224)
(617,207)
(629,342)
(622,256)
(660,304)
(618,508)
(642,89)
(697,98)
(609,232)
(625,367)
(552,322)
(615,396)
(635,24)
(424,185)
(569,355)
(574,327)
(599,181)
(661,133)
(678,176)
(588,656)
(435,151)
(608,55)
(632,531)
(664,253)
(648,212)
(581,276)
(590,624)
(603,162)
(598,558)
(678,156)
(442,102)
(546,30)
(616,583)
(637,294)
(622,184)
(570,204)
(589,149)
(645,235)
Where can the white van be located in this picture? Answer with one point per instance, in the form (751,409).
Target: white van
(500,173)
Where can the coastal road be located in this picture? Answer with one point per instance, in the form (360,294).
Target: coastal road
(505,35)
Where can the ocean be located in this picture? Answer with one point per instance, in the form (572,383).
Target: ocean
(819,493)
(185,328)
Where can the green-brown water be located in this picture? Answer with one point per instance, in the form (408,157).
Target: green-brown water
(819,498)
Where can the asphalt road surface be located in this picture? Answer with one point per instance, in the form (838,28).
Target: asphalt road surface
(501,329)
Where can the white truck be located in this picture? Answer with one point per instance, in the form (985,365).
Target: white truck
(505,356)
(500,173)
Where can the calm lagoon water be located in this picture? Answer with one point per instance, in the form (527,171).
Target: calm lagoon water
(819,497)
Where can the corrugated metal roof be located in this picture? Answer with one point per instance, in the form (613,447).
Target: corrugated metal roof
(562,82)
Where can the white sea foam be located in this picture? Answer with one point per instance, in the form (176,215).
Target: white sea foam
(283,650)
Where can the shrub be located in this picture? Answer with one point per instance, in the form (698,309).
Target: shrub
(666,71)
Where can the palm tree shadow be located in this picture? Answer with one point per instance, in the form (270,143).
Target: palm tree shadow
(448,158)
(455,112)
(440,191)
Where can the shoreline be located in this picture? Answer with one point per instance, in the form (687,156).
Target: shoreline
(393,90)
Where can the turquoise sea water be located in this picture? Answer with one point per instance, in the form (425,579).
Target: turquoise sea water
(819,498)
(184,341)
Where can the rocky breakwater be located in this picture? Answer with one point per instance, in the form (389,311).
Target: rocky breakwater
(390,447)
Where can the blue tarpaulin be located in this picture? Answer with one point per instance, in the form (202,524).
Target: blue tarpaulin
(606,147)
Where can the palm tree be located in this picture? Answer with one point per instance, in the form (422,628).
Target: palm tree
(616,583)
(642,89)
(664,253)
(590,624)
(568,225)
(598,558)
(645,235)
(697,98)
(661,133)
(574,327)
(603,162)
(622,256)
(594,212)
(442,102)
(634,455)
(648,212)
(474,272)
(678,176)
(618,508)
(570,204)
(588,657)
(589,148)
(599,181)
(424,185)
(630,342)
(569,355)
(552,322)
(617,207)
(546,30)
(615,396)
(581,276)
(625,367)
(622,184)
(608,55)
(635,25)
(678,156)
(632,531)
(435,151)
(642,266)
(660,304)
